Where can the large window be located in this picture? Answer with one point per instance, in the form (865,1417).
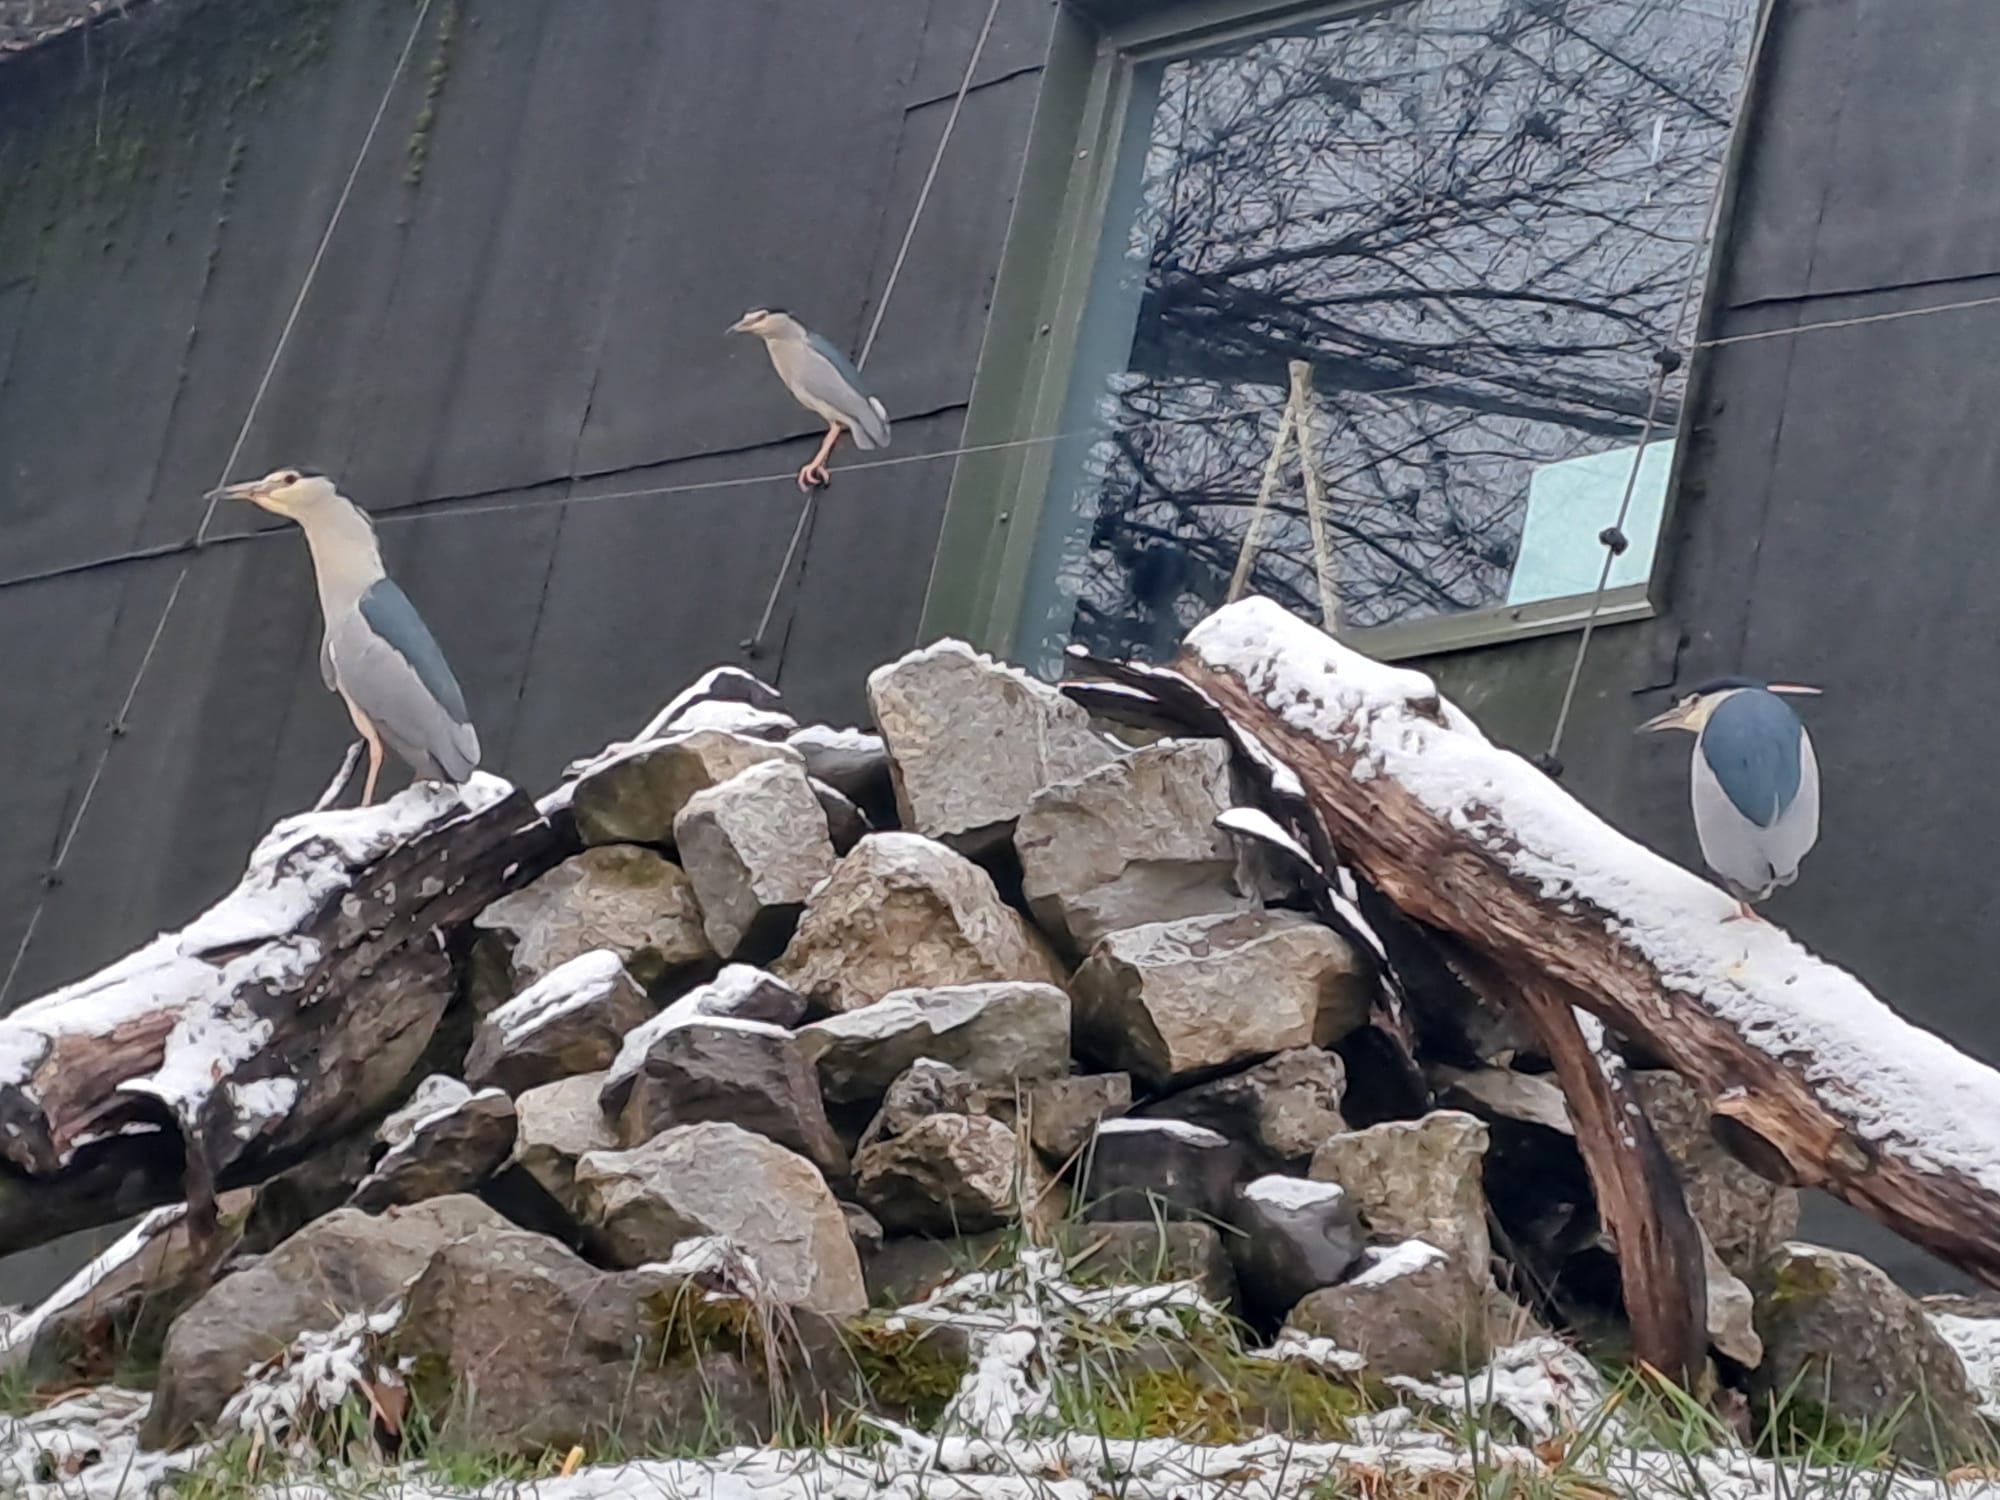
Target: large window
(1479,222)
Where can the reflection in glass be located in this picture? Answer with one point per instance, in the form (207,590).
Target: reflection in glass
(1478,220)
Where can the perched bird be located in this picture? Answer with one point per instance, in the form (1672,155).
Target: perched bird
(377,652)
(1755,782)
(822,380)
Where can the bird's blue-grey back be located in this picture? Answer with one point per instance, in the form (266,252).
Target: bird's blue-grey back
(1752,742)
(389,666)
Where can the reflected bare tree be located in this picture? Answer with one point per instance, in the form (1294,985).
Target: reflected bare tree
(1499,203)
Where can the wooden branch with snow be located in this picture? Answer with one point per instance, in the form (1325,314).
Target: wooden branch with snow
(284,1014)
(1810,1075)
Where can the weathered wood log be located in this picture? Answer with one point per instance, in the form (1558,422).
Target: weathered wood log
(285,1014)
(1823,1082)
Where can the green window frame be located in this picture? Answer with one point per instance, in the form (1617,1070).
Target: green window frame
(1024,388)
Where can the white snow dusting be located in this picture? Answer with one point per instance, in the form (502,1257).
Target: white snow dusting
(18,1337)
(570,986)
(1180,1130)
(1294,1192)
(709,1003)
(1977,1342)
(1380,1266)
(1906,1091)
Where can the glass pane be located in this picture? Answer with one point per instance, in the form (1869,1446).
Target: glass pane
(1477,220)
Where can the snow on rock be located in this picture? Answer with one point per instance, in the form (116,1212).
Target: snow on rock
(1294,1192)
(1180,1130)
(1255,823)
(567,987)
(1380,1265)
(1977,1343)
(434,1098)
(295,869)
(1904,1090)
(716,1002)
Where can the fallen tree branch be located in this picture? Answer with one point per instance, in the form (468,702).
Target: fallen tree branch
(283,1015)
(1825,1084)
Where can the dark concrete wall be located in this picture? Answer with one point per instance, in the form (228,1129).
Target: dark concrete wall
(526,297)
(1840,518)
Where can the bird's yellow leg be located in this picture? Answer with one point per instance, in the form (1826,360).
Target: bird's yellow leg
(814,474)
(1744,912)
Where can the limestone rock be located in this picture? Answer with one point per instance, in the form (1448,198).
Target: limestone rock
(1281,1111)
(853,762)
(846,824)
(721,693)
(453,1149)
(1000,1033)
(739,992)
(1064,1113)
(633,794)
(1840,1334)
(1295,1237)
(348,1261)
(559,1124)
(927,1087)
(571,1021)
(971,741)
(865,1230)
(1407,1311)
(904,912)
(521,1348)
(949,1174)
(1149,1169)
(1172,1000)
(627,899)
(720,1179)
(1745,1216)
(1132,842)
(431,1097)
(1731,1318)
(744,1072)
(754,846)
(1418,1180)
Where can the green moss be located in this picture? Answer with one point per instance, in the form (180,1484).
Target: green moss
(1798,1278)
(1209,1395)
(906,1368)
(436,72)
(683,1323)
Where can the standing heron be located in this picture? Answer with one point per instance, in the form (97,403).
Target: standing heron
(377,652)
(1754,783)
(823,381)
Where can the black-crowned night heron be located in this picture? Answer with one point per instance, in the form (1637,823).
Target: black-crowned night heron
(1755,782)
(822,380)
(377,652)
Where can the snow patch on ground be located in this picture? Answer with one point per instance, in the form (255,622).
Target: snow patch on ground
(1977,1342)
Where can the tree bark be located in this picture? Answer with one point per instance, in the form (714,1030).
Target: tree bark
(287,1013)
(1825,1084)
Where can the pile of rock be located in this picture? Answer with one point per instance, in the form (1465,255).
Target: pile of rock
(869,1006)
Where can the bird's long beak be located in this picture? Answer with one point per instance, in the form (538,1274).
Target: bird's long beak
(1673,718)
(741,325)
(1793,689)
(250,489)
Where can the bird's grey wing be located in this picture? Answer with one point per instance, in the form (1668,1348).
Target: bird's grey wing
(1752,743)
(1791,838)
(389,664)
(832,379)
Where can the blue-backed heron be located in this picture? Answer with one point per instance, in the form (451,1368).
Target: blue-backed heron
(1755,782)
(377,652)
(822,380)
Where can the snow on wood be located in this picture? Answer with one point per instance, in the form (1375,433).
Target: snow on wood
(1822,1080)
(283,1014)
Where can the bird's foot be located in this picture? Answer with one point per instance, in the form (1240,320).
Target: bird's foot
(814,476)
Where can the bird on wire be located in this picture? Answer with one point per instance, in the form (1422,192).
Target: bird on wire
(823,381)
(377,652)
(1754,783)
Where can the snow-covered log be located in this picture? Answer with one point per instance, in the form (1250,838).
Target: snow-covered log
(291,1009)
(1812,1076)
